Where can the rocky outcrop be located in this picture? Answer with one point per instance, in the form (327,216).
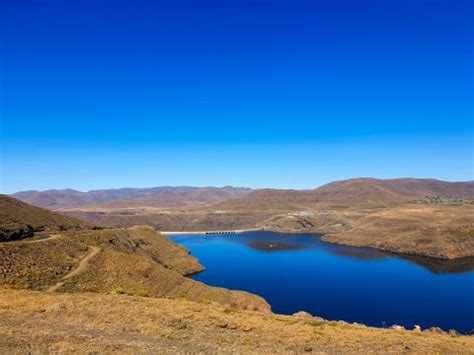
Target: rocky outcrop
(15,231)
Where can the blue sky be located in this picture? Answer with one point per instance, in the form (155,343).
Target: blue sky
(293,94)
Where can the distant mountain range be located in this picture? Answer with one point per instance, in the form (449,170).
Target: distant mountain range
(346,192)
(360,191)
(163,196)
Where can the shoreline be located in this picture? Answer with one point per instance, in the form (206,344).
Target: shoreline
(395,326)
(388,251)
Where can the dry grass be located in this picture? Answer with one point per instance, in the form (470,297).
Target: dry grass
(436,231)
(19,220)
(137,259)
(83,323)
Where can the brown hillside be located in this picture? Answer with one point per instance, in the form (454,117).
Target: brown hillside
(34,322)
(195,220)
(162,196)
(378,191)
(20,220)
(272,199)
(174,199)
(361,191)
(133,261)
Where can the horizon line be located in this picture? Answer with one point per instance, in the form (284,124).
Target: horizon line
(232,186)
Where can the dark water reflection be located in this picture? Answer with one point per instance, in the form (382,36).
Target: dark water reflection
(442,266)
(300,272)
(282,242)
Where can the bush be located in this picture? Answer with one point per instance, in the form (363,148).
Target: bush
(118,291)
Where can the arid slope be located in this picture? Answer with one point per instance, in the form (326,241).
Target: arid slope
(20,220)
(445,232)
(157,197)
(96,323)
(415,216)
(353,192)
(437,231)
(135,260)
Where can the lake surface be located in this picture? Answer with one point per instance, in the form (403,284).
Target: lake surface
(300,272)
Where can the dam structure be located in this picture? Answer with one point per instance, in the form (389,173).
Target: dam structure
(234,231)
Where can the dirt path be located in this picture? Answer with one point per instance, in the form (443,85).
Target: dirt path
(82,266)
(25,240)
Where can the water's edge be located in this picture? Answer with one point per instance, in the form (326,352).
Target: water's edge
(264,246)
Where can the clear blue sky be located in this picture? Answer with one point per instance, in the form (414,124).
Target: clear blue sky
(294,94)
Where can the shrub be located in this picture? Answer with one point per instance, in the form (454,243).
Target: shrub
(118,291)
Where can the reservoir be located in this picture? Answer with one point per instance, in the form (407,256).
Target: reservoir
(299,272)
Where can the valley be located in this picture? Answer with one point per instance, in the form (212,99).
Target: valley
(88,263)
(411,216)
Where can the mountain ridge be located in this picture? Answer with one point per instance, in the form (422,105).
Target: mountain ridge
(58,198)
(355,191)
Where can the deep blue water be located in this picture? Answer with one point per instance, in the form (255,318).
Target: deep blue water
(299,272)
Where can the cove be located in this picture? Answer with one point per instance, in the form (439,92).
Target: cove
(295,272)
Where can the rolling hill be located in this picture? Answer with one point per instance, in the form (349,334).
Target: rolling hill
(20,220)
(75,256)
(360,191)
(369,190)
(164,196)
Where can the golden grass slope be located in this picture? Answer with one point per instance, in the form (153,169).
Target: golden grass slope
(437,231)
(35,322)
(19,220)
(445,232)
(135,260)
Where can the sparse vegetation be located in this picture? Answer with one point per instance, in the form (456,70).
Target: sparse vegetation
(122,291)
(97,323)
(464,233)
(138,260)
(119,291)
(19,220)
(384,214)
(141,293)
